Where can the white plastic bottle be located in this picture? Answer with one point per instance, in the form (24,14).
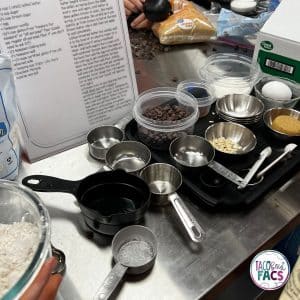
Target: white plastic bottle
(9,142)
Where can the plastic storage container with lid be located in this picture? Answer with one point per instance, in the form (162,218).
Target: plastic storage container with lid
(201,91)
(150,111)
(230,74)
(20,204)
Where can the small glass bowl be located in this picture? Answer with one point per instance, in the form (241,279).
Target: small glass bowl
(20,204)
(201,91)
(230,74)
(271,103)
(157,134)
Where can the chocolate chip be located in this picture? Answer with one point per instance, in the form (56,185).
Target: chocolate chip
(145,45)
(171,113)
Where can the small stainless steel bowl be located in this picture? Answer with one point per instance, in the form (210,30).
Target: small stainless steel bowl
(239,134)
(102,138)
(129,156)
(272,113)
(240,108)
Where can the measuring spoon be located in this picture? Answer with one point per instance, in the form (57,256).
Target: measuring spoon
(287,149)
(263,155)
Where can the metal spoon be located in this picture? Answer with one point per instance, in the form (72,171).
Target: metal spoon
(287,149)
(263,155)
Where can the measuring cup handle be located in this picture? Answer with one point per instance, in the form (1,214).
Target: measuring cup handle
(42,183)
(121,124)
(228,174)
(111,282)
(192,227)
(105,168)
(274,162)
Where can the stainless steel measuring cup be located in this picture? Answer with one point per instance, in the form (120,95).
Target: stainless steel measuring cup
(192,151)
(100,139)
(134,250)
(164,180)
(129,156)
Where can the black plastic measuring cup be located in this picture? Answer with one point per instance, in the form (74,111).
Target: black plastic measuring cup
(108,200)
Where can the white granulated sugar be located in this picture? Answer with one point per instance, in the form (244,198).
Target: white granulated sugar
(18,242)
(231,85)
(241,6)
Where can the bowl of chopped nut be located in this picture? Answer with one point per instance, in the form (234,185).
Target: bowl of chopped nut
(231,138)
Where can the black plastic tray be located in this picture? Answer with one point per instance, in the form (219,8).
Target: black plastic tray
(226,193)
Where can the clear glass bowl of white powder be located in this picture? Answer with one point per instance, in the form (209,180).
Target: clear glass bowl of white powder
(24,238)
(230,74)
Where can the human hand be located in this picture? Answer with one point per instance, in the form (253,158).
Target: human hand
(45,285)
(141,22)
(133,6)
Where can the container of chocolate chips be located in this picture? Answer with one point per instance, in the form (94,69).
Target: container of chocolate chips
(163,114)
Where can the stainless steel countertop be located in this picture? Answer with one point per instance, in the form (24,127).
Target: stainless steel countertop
(182,269)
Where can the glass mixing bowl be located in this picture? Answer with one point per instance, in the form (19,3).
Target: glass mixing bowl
(20,204)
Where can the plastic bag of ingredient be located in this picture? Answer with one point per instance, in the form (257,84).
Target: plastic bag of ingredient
(273,4)
(186,25)
(9,133)
(232,24)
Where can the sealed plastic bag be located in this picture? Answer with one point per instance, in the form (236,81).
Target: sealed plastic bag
(233,24)
(9,133)
(186,25)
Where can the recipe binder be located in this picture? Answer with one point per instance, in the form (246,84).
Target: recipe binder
(73,69)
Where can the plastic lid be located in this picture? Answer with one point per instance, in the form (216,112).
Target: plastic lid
(224,65)
(165,96)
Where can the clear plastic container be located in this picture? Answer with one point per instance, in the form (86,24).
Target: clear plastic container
(156,131)
(20,204)
(230,74)
(271,103)
(201,91)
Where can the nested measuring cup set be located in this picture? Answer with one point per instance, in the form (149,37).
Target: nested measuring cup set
(162,179)
(121,193)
